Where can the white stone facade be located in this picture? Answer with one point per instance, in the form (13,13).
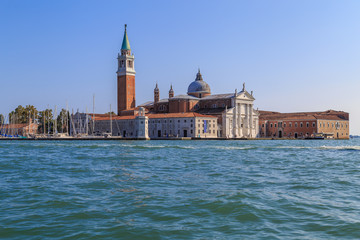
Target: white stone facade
(199,127)
(240,121)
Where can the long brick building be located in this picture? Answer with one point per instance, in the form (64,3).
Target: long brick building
(327,124)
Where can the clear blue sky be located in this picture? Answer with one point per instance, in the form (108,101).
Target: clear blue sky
(294,55)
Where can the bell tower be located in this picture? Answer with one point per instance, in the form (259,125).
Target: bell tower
(156,94)
(125,77)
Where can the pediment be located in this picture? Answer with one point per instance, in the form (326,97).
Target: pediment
(244,95)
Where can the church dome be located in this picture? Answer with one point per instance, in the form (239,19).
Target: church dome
(199,86)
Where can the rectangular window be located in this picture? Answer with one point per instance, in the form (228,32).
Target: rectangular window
(307,124)
(301,124)
(313,124)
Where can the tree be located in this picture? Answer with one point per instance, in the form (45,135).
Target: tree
(2,119)
(46,121)
(63,121)
(22,115)
(31,112)
(112,113)
(17,116)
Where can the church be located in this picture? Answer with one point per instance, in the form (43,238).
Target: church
(196,114)
(199,114)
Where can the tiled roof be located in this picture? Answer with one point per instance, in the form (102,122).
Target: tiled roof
(184,97)
(218,96)
(146,104)
(104,117)
(211,110)
(113,117)
(16,126)
(164,100)
(178,115)
(326,115)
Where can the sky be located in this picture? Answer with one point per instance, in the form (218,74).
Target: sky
(295,55)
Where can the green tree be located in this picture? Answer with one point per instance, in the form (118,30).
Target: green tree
(17,116)
(22,115)
(63,121)
(31,112)
(108,113)
(2,118)
(46,121)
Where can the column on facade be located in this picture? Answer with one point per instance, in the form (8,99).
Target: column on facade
(248,119)
(239,130)
(251,119)
(235,127)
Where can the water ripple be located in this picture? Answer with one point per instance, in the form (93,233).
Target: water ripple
(180,190)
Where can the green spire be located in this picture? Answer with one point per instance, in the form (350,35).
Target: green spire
(125,43)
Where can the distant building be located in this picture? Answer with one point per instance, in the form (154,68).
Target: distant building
(329,124)
(21,129)
(234,113)
(200,114)
(165,125)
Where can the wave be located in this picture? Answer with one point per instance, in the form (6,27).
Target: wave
(157,146)
(293,147)
(234,148)
(354,148)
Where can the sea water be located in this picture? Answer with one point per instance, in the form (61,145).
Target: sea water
(180,189)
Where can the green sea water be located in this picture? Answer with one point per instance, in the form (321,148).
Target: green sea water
(180,189)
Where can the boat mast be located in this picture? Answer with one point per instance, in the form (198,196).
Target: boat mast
(67,120)
(93,120)
(72,123)
(87,122)
(110,121)
(55,127)
(29,124)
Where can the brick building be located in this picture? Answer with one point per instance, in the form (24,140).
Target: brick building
(21,129)
(328,124)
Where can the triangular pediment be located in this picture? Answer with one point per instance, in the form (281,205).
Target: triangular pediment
(245,96)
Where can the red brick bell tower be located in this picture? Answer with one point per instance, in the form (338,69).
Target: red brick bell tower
(125,78)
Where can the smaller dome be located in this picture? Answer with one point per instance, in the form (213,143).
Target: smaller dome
(199,85)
